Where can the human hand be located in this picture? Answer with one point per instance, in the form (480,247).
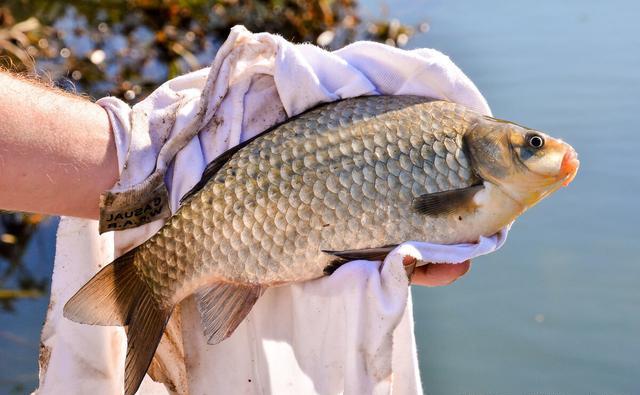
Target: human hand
(435,275)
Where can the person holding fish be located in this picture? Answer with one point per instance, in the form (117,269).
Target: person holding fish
(76,152)
(255,200)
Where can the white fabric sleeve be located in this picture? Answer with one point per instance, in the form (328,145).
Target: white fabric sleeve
(351,332)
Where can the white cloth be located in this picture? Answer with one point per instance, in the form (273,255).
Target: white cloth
(351,332)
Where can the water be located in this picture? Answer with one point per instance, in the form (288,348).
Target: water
(20,330)
(556,310)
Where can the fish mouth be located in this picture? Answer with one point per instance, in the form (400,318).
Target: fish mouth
(569,167)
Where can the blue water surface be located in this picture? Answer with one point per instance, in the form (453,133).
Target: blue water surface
(557,310)
(20,329)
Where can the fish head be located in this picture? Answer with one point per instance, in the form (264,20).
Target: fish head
(527,165)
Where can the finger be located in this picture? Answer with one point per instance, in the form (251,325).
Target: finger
(439,274)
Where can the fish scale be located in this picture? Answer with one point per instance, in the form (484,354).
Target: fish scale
(341,176)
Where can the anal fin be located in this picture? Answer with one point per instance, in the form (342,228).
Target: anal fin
(223,306)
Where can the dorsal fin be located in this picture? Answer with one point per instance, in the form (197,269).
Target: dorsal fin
(211,170)
(215,165)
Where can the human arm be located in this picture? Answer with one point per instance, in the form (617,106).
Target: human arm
(57,151)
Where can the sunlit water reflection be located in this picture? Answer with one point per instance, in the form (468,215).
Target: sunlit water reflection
(557,309)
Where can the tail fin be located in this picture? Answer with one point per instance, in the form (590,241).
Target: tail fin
(118,296)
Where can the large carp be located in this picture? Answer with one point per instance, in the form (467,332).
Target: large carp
(345,180)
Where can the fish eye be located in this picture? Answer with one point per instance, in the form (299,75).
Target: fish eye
(535,141)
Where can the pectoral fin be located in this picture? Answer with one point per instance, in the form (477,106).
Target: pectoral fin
(446,202)
(223,306)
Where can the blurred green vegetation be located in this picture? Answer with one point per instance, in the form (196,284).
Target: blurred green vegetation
(127,48)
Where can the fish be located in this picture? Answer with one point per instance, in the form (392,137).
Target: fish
(346,180)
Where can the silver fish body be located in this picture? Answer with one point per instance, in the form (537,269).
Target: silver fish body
(342,176)
(346,180)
